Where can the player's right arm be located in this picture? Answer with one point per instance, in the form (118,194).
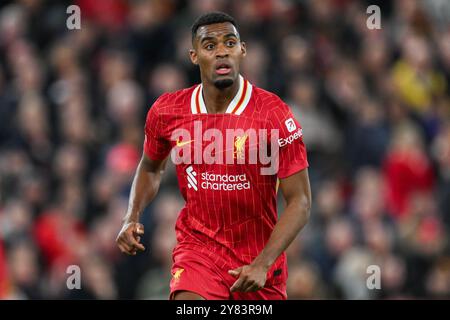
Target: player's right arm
(144,188)
(146,180)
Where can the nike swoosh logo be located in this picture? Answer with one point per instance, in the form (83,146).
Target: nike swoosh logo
(182,143)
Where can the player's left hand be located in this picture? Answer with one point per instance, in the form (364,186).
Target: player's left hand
(250,278)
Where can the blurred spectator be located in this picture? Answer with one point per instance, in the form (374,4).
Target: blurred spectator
(414,76)
(111,15)
(330,202)
(16,219)
(339,237)
(441,153)
(321,134)
(96,281)
(393,278)
(438,280)
(444,51)
(422,240)
(304,282)
(34,129)
(407,169)
(59,234)
(4,277)
(166,78)
(122,159)
(345,89)
(256,70)
(24,270)
(422,232)
(367,201)
(368,136)
(350,274)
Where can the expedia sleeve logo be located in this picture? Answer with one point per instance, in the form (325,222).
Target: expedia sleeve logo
(285,141)
(290,124)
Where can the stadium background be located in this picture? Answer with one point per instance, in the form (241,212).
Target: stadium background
(374,105)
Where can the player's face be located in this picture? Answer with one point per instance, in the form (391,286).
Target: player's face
(218,51)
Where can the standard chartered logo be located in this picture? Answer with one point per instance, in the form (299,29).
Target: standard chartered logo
(218,182)
(224,182)
(191,177)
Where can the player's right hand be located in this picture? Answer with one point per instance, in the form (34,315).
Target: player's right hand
(128,238)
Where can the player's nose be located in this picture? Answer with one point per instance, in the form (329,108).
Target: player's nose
(222,51)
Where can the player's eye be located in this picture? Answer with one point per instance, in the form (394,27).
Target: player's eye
(209,46)
(230,43)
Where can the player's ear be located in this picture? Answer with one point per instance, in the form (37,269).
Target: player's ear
(243,49)
(193,56)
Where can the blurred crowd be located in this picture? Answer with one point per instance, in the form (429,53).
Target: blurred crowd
(375,111)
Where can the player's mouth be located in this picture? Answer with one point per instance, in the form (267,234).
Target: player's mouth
(223,69)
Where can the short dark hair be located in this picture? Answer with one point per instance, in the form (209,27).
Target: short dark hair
(211,18)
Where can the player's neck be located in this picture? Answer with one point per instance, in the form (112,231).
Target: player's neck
(217,100)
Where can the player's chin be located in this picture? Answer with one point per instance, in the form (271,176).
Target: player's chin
(223,82)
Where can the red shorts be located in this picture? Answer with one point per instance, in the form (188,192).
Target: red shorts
(192,271)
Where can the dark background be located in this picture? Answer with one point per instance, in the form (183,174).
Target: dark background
(374,106)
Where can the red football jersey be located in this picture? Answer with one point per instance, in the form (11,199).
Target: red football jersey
(223,175)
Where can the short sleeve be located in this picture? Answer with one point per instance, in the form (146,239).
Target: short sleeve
(292,150)
(156,147)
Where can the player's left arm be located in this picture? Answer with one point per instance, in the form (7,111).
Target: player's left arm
(297,193)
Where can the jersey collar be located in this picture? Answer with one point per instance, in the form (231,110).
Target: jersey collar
(236,106)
